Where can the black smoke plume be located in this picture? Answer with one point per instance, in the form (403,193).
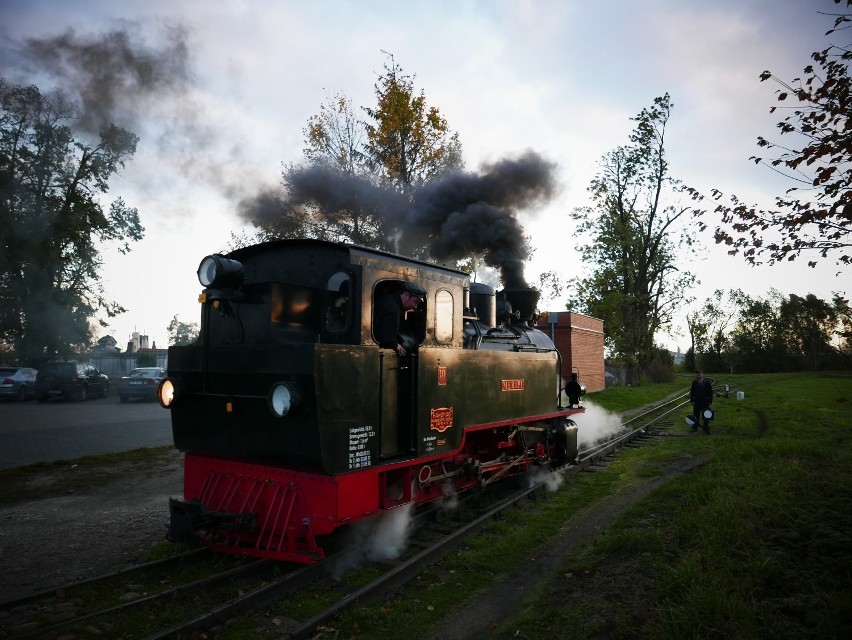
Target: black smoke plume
(146,86)
(122,81)
(456,216)
(114,74)
(464,213)
(336,192)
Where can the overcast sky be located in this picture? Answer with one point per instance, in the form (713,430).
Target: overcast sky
(562,78)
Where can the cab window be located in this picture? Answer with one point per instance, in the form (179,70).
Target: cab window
(390,323)
(444,316)
(337,316)
(266,311)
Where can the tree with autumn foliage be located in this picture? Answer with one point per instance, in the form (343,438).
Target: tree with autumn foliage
(408,141)
(335,144)
(813,217)
(335,136)
(357,170)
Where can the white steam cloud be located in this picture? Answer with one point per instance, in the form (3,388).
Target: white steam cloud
(545,475)
(375,539)
(596,424)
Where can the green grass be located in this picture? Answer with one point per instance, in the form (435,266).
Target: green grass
(756,544)
(621,398)
(753,544)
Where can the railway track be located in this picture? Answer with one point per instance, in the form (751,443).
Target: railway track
(109,603)
(177,597)
(653,422)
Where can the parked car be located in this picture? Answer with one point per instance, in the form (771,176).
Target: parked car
(141,384)
(105,379)
(70,380)
(17,383)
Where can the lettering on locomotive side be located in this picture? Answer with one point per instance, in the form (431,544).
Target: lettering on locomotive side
(512,385)
(442,376)
(429,444)
(360,455)
(441,419)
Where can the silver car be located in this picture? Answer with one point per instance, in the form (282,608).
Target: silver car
(17,383)
(140,384)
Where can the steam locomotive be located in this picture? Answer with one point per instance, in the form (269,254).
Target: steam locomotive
(295,422)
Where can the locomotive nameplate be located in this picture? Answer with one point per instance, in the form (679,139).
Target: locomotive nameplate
(442,376)
(511,385)
(441,419)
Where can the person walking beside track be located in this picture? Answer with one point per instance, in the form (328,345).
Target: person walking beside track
(701,397)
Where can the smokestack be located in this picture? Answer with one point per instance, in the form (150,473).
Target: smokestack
(523,303)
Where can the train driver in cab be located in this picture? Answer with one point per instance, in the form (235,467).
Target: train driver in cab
(389,312)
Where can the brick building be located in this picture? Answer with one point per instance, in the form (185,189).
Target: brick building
(580,340)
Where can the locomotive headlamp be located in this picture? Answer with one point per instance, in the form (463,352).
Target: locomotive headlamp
(220,272)
(282,399)
(168,391)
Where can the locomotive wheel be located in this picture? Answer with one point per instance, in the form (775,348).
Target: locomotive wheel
(560,449)
(423,476)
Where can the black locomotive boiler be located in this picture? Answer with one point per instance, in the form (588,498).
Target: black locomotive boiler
(294,421)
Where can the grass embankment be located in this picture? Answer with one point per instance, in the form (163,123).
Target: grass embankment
(753,544)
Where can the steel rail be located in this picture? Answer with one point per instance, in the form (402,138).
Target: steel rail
(196,585)
(121,573)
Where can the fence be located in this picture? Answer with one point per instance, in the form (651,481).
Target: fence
(619,375)
(116,365)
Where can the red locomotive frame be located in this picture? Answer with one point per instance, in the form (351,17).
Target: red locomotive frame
(292,508)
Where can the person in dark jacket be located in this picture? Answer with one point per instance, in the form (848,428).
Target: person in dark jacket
(574,390)
(390,308)
(701,397)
